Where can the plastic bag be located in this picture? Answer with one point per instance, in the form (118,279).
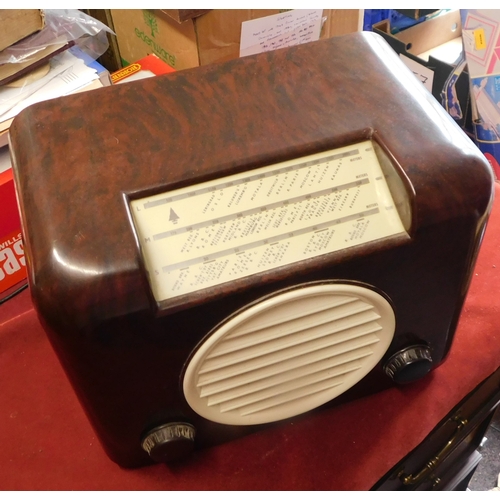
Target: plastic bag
(62,26)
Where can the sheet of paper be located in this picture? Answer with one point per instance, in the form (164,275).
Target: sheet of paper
(67,73)
(280,30)
(10,96)
(424,74)
(5,162)
(67,82)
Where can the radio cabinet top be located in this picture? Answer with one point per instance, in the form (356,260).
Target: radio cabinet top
(323,163)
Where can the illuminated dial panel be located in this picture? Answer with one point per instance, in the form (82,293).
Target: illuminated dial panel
(232,227)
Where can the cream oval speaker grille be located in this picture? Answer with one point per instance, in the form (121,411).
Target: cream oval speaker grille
(288,354)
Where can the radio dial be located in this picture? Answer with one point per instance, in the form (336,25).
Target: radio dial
(409,364)
(169,442)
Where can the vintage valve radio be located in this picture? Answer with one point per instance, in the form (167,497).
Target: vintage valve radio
(235,245)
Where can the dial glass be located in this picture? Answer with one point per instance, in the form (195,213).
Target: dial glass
(228,228)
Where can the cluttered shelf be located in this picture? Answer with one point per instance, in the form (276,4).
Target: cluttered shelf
(451,52)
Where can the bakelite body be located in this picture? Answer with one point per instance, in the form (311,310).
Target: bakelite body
(79,159)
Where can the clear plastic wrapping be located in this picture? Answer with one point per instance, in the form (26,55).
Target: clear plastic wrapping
(62,26)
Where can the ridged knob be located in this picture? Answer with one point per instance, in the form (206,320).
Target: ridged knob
(409,364)
(169,442)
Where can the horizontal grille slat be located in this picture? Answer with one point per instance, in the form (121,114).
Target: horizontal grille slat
(279,383)
(331,335)
(281,344)
(262,375)
(232,382)
(295,326)
(364,336)
(270,397)
(267,320)
(289,396)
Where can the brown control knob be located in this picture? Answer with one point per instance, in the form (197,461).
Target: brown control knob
(409,364)
(169,442)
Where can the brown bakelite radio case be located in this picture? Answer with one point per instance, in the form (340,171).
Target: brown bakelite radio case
(233,246)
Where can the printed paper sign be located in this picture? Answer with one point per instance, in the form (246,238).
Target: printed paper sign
(280,30)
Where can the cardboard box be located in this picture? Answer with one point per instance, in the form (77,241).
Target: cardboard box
(448,81)
(181,15)
(12,260)
(146,67)
(16,24)
(211,37)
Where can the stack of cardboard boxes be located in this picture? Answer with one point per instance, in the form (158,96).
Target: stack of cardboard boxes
(190,38)
(36,64)
(15,25)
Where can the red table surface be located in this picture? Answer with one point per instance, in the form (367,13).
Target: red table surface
(46,442)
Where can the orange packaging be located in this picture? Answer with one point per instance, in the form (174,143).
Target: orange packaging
(12,260)
(146,67)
